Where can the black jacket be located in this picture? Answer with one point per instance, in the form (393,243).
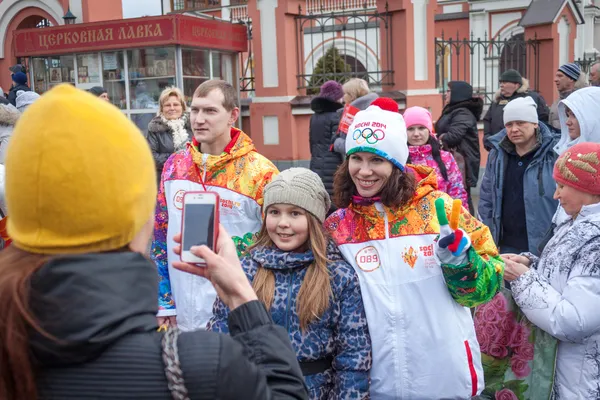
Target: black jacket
(493,122)
(323,128)
(12,93)
(101,309)
(458,125)
(160,139)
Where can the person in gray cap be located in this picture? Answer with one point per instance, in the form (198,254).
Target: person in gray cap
(299,274)
(516,197)
(568,79)
(512,86)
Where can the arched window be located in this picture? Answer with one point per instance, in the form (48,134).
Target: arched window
(44,23)
(514,54)
(356,67)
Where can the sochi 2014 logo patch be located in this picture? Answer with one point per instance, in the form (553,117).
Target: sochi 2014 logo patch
(369,132)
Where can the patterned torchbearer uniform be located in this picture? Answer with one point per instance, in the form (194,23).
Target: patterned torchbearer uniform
(239,176)
(424,342)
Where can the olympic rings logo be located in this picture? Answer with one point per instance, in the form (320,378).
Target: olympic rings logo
(368,135)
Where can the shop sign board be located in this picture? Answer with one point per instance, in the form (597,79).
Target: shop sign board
(131,33)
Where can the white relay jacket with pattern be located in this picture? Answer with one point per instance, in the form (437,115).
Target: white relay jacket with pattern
(561,295)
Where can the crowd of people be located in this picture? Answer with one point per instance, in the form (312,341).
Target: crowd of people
(374,273)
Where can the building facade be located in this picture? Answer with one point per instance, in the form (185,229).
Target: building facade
(26,14)
(407,50)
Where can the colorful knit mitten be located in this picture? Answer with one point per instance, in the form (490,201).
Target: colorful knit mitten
(453,243)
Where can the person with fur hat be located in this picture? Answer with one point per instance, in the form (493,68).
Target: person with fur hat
(567,79)
(9,116)
(25,99)
(560,290)
(78,292)
(516,196)
(417,288)
(457,131)
(19,83)
(512,86)
(299,274)
(322,131)
(424,149)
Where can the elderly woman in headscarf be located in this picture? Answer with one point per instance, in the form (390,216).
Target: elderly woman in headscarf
(170,130)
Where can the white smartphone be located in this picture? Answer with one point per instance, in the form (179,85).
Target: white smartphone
(200,224)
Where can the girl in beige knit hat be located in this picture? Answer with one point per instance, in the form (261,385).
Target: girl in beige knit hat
(299,274)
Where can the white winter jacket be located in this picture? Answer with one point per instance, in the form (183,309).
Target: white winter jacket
(561,295)
(585,104)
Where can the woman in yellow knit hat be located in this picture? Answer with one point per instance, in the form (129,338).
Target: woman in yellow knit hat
(78,295)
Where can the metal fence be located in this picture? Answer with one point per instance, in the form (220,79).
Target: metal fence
(481,62)
(322,6)
(586,63)
(358,37)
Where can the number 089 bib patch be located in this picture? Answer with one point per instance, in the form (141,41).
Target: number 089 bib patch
(368,259)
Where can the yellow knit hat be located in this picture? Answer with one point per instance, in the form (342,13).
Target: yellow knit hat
(80,177)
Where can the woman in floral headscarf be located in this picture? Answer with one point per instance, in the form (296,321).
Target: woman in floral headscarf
(170,130)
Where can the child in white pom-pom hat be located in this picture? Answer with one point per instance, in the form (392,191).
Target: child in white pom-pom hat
(416,288)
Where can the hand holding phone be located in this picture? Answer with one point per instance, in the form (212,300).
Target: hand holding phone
(223,269)
(200,222)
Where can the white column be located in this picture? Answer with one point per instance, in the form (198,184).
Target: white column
(77,10)
(589,46)
(478,22)
(225,11)
(563,41)
(420,38)
(166,6)
(268,41)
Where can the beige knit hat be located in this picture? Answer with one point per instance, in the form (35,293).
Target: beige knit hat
(299,187)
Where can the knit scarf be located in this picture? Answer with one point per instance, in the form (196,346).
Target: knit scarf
(364,201)
(177,127)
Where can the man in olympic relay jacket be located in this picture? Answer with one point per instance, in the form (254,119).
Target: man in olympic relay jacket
(222,159)
(416,289)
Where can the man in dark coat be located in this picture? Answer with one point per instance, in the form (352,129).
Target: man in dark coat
(457,130)
(323,128)
(512,86)
(516,196)
(20,83)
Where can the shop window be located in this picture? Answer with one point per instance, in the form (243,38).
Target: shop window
(150,72)
(113,76)
(196,69)
(51,71)
(222,67)
(88,70)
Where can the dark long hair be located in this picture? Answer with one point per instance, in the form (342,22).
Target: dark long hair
(437,155)
(17,377)
(398,190)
